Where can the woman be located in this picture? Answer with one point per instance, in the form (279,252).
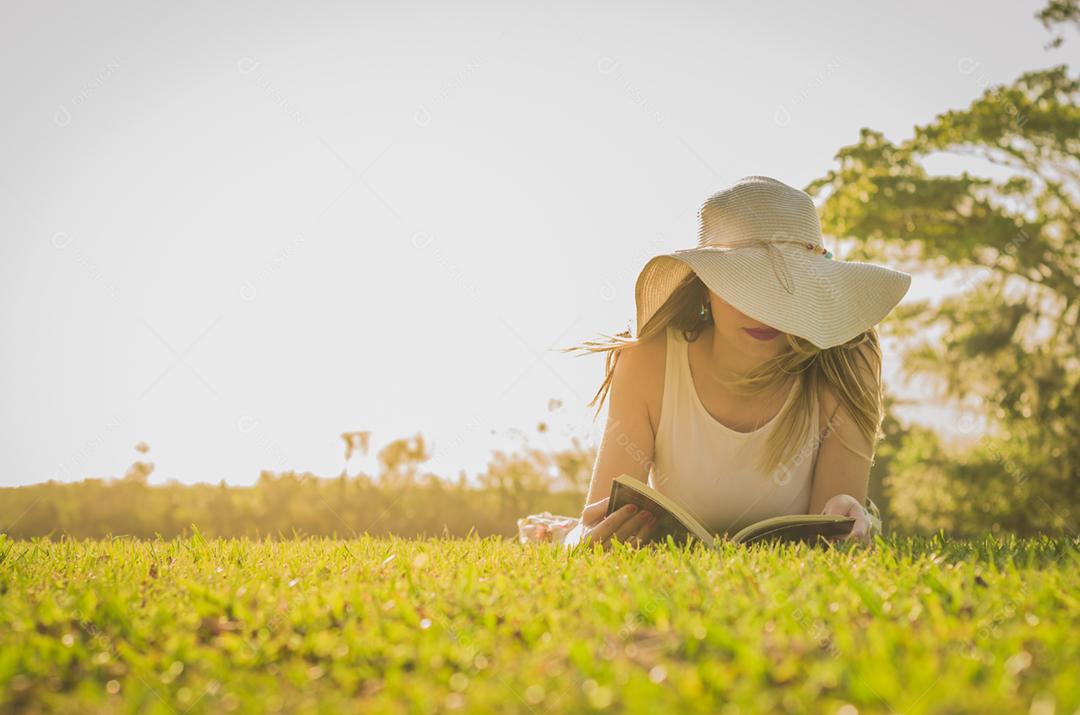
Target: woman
(753,386)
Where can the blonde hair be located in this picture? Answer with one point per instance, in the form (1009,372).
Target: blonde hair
(851,370)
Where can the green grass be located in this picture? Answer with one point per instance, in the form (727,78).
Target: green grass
(488,625)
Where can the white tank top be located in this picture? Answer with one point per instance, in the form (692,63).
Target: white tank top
(709,468)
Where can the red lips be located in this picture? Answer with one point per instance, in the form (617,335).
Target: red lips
(762,333)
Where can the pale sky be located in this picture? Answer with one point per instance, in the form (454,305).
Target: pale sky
(236,231)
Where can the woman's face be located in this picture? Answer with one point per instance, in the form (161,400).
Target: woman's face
(743,332)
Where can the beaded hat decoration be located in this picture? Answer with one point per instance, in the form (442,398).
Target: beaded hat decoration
(760,249)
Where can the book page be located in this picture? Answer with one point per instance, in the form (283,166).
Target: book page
(795,527)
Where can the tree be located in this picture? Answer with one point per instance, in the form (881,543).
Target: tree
(401,459)
(1009,341)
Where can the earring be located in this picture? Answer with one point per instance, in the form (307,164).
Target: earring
(704,310)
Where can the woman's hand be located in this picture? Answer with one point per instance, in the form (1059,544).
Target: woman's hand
(627,524)
(846,505)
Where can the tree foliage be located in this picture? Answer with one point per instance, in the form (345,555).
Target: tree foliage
(1008,343)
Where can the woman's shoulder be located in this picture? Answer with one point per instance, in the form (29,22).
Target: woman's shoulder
(643,361)
(642,366)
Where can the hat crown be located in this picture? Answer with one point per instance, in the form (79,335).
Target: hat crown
(758,208)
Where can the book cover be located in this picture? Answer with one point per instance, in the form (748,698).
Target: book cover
(671,519)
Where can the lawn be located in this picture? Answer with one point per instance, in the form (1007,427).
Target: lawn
(489,625)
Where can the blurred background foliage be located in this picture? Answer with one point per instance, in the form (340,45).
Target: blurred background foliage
(401,498)
(1005,351)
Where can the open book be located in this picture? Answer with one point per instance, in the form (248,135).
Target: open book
(679,523)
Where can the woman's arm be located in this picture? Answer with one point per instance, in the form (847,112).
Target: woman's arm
(626,447)
(627,444)
(842,472)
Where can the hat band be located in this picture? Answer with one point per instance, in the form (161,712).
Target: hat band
(776,256)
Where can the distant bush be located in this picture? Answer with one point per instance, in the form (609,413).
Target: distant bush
(280,504)
(401,500)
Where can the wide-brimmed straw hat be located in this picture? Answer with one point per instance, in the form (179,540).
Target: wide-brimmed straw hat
(760,249)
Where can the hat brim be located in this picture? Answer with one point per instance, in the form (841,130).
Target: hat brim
(832,302)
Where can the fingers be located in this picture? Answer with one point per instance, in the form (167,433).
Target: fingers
(860,530)
(645,531)
(607,527)
(594,512)
(629,530)
(841,504)
(626,524)
(847,505)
